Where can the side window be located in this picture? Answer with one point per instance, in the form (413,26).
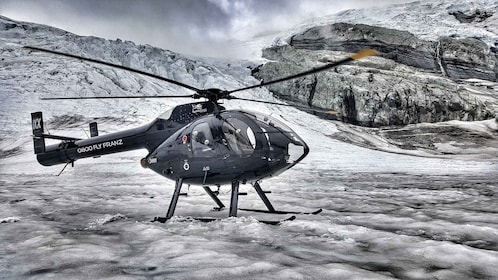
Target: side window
(202,140)
(239,136)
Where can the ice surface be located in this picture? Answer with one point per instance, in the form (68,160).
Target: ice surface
(385,215)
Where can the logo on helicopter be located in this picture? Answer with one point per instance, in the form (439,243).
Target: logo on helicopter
(37,123)
(99,146)
(198,108)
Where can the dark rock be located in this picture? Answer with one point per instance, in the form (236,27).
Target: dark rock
(476,16)
(456,58)
(400,46)
(413,81)
(467,58)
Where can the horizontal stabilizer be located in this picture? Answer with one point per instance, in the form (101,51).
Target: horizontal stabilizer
(58,137)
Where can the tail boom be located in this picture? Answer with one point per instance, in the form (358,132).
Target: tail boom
(71,149)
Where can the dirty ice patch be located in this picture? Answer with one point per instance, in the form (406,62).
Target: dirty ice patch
(9,220)
(105,220)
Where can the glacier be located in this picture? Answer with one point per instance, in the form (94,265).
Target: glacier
(386,214)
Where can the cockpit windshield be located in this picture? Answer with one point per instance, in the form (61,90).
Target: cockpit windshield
(280,136)
(270,125)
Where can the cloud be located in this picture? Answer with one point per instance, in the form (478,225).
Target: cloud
(201,27)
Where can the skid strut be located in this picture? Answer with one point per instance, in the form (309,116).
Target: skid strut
(174,199)
(172,205)
(214,197)
(262,195)
(234,200)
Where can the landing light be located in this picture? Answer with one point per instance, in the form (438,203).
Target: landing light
(144,163)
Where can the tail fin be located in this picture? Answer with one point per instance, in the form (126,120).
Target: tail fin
(38,138)
(94,131)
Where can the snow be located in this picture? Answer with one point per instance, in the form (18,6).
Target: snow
(435,16)
(9,220)
(427,20)
(386,215)
(476,140)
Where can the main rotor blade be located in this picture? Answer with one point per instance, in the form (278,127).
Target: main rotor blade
(361,54)
(258,101)
(118,97)
(304,108)
(114,65)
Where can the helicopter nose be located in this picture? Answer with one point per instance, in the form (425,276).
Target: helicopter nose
(149,161)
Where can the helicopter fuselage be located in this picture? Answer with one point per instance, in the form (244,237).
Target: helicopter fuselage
(226,146)
(201,143)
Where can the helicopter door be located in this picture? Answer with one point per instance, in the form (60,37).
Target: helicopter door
(202,141)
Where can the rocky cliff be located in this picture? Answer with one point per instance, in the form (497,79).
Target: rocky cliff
(411,81)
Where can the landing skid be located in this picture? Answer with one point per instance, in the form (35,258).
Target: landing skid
(282,212)
(268,222)
(234,198)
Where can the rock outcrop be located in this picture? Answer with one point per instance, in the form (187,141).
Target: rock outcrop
(452,57)
(475,16)
(411,81)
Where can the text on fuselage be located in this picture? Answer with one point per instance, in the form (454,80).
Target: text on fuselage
(100,146)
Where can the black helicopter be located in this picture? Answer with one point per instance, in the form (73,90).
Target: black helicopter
(199,143)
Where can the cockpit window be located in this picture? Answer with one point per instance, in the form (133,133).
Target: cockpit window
(202,140)
(239,135)
(272,127)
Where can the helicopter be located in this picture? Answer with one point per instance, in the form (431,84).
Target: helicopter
(200,143)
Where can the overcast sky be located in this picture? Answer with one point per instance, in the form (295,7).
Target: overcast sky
(200,27)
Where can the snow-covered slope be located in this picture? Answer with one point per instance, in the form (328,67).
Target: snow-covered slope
(385,215)
(28,76)
(427,19)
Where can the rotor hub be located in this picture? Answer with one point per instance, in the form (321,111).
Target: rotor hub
(212,94)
